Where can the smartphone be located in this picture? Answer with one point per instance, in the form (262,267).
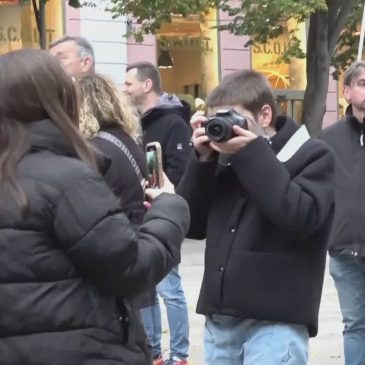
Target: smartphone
(154,165)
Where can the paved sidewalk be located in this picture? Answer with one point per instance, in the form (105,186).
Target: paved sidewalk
(325,349)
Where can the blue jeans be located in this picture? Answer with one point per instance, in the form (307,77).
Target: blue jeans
(234,341)
(349,275)
(171,292)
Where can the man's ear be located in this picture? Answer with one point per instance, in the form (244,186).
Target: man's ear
(87,63)
(148,85)
(347,94)
(265,116)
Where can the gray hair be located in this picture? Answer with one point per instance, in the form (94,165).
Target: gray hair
(84,46)
(352,72)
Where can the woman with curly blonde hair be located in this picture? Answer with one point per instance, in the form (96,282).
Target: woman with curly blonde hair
(109,121)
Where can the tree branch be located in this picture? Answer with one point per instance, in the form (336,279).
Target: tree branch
(333,6)
(336,24)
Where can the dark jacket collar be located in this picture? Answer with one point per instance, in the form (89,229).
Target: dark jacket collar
(285,128)
(352,120)
(160,111)
(45,135)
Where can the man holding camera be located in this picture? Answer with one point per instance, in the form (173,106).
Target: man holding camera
(261,191)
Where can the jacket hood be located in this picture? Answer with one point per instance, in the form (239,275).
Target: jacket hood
(167,101)
(285,128)
(45,135)
(169,104)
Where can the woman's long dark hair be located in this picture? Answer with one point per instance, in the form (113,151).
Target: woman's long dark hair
(34,86)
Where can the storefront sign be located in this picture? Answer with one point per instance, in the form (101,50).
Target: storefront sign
(273,47)
(13,34)
(198,43)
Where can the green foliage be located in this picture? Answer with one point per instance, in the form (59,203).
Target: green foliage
(348,43)
(259,18)
(150,15)
(263,20)
(74,3)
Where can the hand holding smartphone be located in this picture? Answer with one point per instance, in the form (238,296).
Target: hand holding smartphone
(154,165)
(158,182)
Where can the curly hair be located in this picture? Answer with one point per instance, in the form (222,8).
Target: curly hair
(102,104)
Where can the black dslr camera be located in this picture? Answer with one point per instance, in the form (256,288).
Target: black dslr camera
(219,127)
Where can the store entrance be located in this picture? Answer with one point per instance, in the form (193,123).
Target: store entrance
(187,56)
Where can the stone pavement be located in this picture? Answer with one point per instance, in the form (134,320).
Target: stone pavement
(325,349)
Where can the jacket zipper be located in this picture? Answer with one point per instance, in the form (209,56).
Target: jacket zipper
(362,134)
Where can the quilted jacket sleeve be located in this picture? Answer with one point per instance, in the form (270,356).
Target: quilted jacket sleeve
(103,245)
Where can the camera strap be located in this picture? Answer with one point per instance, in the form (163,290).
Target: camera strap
(293,144)
(118,143)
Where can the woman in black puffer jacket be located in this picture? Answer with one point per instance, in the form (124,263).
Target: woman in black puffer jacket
(66,248)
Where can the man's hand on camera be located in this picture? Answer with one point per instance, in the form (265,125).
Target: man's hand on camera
(151,194)
(243,138)
(199,138)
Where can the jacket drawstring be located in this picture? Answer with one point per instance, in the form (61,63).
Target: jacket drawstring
(362,137)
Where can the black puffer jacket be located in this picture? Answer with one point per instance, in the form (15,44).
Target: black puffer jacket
(266,222)
(347,140)
(168,123)
(63,265)
(121,176)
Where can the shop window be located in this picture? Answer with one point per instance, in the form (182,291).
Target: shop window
(287,79)
(187,56)
(18,27)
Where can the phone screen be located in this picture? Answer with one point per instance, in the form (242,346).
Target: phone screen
(153,166)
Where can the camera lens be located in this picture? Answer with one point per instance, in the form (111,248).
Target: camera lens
(216,131)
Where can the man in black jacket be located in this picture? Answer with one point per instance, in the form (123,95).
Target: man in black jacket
(165,119)
(347,242)
(263,198)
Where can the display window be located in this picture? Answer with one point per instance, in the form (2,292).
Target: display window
(187,57)
(287,79)
(18,28)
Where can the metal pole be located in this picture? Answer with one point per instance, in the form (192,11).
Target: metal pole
(362,33)
(40,17)
(42,24)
